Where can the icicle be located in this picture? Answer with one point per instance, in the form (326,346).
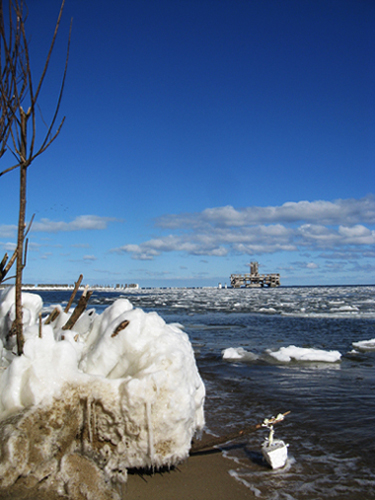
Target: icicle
(89,418)
(151,450)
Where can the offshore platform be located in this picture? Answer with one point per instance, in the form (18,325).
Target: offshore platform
(254,279)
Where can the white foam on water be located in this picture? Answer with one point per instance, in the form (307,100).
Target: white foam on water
(302,477)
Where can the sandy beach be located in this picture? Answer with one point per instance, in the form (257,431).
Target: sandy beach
(204,476)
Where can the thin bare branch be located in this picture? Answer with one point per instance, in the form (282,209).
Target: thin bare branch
(29,225)
(45,144)
(9,169)
(49,55)
(10,263)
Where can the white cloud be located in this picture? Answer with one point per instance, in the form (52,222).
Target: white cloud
(8,231)
(219,231)
(81,223)
(357,235)
(89,257)
(346,212)
(312,265)
(8,247)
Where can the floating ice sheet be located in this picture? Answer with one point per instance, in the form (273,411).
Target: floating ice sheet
(365,345)
(293,353)
(282,355)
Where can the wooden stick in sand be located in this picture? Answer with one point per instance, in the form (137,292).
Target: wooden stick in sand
(53,315)
(80,307)
(73,293)
(211,443)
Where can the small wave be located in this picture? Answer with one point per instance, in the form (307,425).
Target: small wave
(268,310)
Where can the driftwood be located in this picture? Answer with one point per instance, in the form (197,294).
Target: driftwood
(80,307)
(120,327)
(53,315)
(73,294)
(209,444)
(56,311)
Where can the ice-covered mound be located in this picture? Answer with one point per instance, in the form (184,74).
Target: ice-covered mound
(31,305)
(364,345)
(120,391)
(293,353)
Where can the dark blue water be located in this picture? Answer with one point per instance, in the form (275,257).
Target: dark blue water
(330,429)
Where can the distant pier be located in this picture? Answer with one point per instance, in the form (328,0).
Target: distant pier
(254,279)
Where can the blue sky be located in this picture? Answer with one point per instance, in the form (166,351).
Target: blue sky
(201,135)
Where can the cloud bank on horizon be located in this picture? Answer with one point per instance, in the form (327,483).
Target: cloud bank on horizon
(321,238)
(344,225)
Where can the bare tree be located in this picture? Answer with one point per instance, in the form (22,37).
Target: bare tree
(9,56)
(17,94)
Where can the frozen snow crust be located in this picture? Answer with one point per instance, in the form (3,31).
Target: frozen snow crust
(120,391)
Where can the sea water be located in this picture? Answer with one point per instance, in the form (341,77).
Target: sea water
(330,428)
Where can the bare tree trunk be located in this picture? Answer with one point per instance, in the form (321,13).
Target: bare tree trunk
(21,236)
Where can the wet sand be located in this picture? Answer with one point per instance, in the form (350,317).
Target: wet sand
(204,476)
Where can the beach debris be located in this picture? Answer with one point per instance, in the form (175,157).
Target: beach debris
(275,451)
(207,444)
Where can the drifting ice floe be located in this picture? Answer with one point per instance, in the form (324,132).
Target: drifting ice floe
(293,353)
(120,391)
(283,355)
(365,345)
(238,353)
